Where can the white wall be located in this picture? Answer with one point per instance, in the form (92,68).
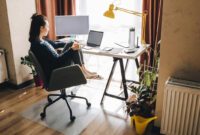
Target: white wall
(17,15)
(5,41)
(180,46)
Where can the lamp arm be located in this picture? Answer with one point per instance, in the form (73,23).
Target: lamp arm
(143,15)
(129,11)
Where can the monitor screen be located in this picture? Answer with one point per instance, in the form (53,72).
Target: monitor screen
(66,25)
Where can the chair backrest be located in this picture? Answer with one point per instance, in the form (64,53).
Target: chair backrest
(66,77)
(38,68)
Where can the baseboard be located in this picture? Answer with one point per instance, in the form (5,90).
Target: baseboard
(20,86)
(156,130)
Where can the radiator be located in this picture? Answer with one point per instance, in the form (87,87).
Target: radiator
(3,67)
(181,108)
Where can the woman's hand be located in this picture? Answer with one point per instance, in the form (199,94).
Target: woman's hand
(75,46)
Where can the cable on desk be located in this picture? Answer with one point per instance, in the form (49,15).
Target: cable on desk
(121,45)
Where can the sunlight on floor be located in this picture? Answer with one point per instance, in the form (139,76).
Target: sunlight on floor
(95,88)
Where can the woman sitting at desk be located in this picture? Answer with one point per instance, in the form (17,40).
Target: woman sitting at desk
(44,49)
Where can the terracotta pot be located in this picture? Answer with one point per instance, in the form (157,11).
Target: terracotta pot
(38,81)
(133,97)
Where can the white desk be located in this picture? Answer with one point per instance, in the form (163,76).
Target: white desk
(118,57)
(98,51)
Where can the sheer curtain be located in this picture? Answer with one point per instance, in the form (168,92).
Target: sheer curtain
(116,29)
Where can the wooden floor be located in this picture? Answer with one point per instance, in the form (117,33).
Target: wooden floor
(12,102)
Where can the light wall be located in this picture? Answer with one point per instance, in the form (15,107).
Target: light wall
(5,41)
(180,45)
(14,28)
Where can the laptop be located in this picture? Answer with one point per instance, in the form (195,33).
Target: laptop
(94,38)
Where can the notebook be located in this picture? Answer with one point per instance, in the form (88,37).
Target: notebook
(94,38)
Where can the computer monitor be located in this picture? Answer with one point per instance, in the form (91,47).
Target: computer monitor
(67,25)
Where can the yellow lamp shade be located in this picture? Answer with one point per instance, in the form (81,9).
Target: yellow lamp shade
(110,12)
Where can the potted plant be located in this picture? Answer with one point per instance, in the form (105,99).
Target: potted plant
(141,104)
(26,61)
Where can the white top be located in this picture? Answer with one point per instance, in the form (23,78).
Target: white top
(112,53)
(122,54)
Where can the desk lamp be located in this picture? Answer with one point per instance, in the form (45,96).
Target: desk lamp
(110,14)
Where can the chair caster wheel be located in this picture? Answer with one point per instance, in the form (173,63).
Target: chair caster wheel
(42,115)
(73,94)
(72,118)
(49,100)
(88,105)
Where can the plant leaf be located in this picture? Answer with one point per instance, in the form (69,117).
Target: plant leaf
(153,99)
(154,77)
(26,61)
(139,69)
(141,83)
(147,78)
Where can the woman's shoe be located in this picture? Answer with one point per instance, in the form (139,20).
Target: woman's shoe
(98,77)
(92,73)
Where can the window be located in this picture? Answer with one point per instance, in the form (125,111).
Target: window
(122,22)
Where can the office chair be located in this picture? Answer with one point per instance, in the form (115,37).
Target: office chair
(60,79)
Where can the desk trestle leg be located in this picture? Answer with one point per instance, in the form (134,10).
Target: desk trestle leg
(123,81)
(137,65)
(123,78)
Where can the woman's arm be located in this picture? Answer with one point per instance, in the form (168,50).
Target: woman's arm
(44,52)
(56,44)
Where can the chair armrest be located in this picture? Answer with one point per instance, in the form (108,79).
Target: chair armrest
(66,77)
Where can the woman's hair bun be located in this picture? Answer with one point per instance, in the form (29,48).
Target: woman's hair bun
(34,16)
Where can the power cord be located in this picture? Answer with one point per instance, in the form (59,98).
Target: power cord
(121,45)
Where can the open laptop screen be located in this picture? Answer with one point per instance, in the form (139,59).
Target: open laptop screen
(94,38)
